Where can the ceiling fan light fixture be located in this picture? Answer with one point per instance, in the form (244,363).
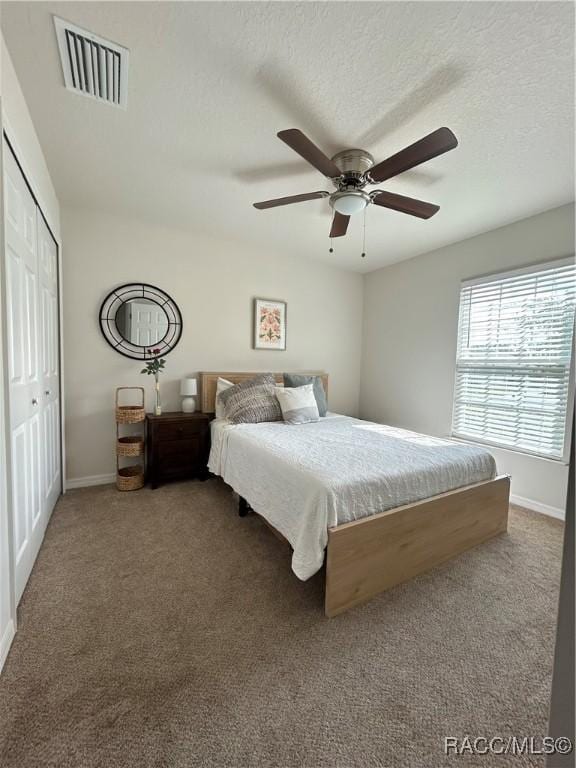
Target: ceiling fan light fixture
(353,169)
(349,202)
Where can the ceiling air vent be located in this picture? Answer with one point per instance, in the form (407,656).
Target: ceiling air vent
(93,66)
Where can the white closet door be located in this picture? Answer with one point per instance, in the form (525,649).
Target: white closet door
(49,364)
(31,502)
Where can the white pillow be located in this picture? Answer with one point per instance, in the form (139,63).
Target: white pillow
(298,404)
(221,386)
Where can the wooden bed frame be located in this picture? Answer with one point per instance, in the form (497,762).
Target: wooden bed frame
(370,555)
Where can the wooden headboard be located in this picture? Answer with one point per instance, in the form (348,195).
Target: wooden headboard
(208,381)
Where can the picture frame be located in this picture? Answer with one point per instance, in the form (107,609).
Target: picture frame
(269,324)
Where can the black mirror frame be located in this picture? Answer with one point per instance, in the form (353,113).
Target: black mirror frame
(123,293)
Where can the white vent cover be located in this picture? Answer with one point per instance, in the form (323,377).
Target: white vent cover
(92,66)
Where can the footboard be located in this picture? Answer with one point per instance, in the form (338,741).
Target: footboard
(368,556)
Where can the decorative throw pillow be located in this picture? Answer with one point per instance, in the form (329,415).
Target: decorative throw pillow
(252,401)
(221,386)
(299,380)
(298,404)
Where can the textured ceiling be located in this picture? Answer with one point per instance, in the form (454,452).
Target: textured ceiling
(210,84)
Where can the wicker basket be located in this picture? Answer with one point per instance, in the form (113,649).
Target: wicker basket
(130,446)
(130,478)
(130,414)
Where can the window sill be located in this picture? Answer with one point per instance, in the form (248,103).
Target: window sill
(485,444)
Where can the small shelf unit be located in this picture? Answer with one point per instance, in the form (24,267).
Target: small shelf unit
(130,477)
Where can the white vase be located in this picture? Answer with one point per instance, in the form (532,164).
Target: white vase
(158,405)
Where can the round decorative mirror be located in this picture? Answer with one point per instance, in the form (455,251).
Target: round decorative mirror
(140,321)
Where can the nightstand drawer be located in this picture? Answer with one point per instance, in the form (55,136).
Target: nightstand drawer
(179,455)
(179,430)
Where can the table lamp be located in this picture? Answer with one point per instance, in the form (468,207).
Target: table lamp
(188,390)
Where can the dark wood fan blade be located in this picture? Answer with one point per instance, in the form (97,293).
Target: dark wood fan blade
(309,151)
(405,205)
(430,146)
(339,224)
(290,200)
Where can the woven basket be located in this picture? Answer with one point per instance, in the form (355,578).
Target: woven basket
(130,446)
(130,414)
(130,478)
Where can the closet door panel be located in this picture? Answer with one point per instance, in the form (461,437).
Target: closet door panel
(46,452)
(20,491)
(35,480)
(48,277)
(56,476)
(45,330)
(30,326)
(22,343)
(16,346)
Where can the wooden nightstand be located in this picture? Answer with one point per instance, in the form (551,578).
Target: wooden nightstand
(177,446)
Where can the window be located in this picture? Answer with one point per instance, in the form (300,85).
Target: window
(513,364)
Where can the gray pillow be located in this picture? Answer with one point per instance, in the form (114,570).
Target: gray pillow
(252,401)
(300,379)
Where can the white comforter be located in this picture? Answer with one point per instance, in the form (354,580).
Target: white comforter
(307,478)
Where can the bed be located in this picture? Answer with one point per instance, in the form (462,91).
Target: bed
(378,504)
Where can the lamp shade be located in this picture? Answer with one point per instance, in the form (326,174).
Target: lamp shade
(350,201)
(188,387)
(349,204)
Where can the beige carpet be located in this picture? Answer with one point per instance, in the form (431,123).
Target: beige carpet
(160,629)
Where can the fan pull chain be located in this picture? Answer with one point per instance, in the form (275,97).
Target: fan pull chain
(331,249)
(363,254)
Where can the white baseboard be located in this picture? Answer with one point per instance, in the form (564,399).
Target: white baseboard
(85,482)
(537,506)
(6,642)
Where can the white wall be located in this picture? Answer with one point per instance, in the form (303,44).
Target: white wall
(19,127)
(16,121)
(213,282)
(410,334)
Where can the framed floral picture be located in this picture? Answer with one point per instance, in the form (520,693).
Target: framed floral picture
(269,324)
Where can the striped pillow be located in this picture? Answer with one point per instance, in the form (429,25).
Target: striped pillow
(298,404)
(252,401)
(298,380)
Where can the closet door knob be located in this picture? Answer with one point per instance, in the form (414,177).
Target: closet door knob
(34,401)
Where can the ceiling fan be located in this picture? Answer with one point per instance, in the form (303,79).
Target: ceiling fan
(353,169)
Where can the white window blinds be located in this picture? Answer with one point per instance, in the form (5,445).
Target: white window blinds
(515,336)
